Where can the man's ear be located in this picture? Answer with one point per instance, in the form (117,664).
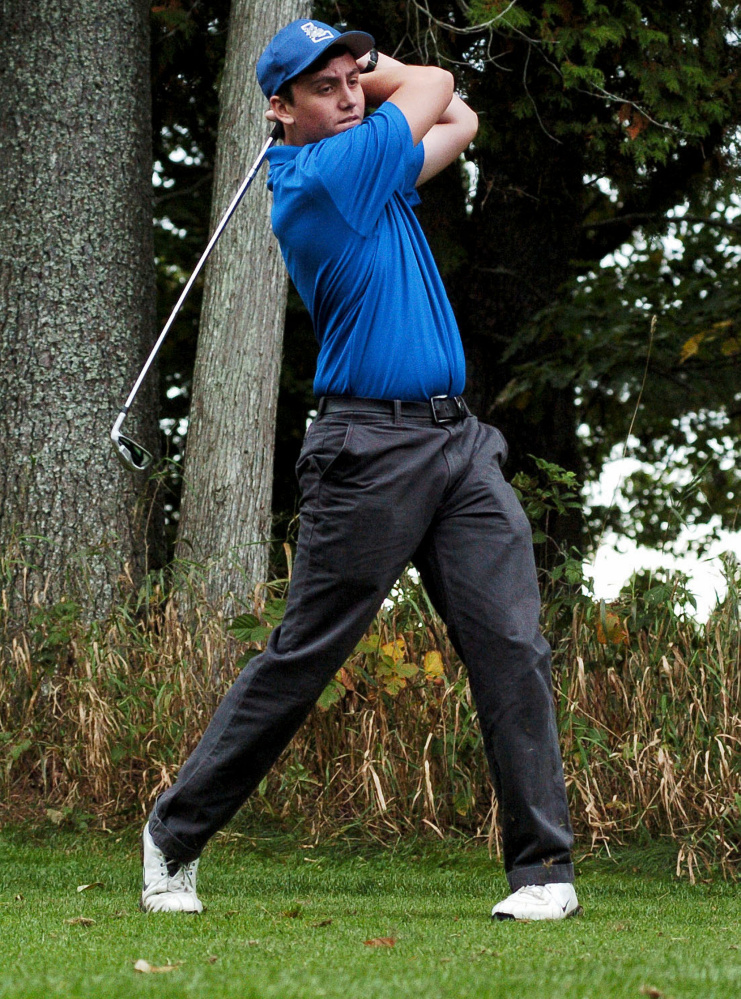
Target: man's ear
(281,110)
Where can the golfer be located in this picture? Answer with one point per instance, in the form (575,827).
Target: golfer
(393,469)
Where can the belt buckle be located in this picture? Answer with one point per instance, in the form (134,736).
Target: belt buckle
(446,419)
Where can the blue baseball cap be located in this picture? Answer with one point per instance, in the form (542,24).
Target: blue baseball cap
(298,45)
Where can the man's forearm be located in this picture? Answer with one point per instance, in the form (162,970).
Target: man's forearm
(423,93)
(379,85)
(386,78)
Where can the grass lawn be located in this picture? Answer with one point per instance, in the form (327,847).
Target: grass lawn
(284,920)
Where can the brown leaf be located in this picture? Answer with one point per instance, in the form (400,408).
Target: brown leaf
(153,969)
(212,958)
(293,913)
(324,922)
(345,678)
(380,942)
(638,123)
(93,884)
(80,921)
(651,992)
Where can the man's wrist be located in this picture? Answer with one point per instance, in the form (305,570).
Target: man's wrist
(371,62)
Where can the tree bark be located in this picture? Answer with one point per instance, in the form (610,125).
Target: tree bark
(76,293)
(225,513)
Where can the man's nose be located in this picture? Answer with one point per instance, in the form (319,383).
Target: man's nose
(347,96)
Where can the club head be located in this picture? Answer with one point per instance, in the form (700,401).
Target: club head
(131,455)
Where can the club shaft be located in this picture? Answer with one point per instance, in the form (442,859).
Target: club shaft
(199,266)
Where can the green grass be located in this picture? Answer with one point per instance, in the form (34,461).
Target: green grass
(285,921)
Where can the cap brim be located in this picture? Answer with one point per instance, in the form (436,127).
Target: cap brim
(359,42)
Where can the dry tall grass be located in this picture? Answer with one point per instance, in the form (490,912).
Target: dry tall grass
(99,717)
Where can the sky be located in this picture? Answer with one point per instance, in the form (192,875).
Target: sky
(617,558)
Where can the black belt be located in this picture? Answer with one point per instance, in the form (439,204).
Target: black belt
(438,409)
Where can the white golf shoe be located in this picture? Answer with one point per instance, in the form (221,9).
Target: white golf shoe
(167,886)
(553,901)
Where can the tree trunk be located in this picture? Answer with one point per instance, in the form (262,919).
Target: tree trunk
(225,513)
(76,292)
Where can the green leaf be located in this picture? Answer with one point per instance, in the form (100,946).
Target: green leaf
(331,694)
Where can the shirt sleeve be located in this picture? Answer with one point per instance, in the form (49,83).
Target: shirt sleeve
(361,169)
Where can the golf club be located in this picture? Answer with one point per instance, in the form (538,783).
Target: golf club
(132,455)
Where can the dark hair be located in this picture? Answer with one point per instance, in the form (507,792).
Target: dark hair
(285,92)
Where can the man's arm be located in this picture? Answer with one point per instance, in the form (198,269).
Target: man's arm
(424,95)
(448,138)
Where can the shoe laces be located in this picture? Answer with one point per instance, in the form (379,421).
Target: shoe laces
(539,892)
(179,877)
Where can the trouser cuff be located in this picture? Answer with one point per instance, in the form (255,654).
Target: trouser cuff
(171,846)
(540,874)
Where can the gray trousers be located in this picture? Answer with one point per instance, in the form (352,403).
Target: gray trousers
(379,491)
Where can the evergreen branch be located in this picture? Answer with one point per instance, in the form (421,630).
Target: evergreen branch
(178,192)
(508,272)
(619,483)
(532,99)
(634,217)
(472,30)
(616,99)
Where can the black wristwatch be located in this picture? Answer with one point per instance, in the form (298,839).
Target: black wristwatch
(372,62)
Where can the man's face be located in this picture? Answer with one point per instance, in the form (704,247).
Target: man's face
(326,102)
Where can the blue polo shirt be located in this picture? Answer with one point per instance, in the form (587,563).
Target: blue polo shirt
(342,212)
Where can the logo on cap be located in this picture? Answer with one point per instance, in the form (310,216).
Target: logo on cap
(315,33)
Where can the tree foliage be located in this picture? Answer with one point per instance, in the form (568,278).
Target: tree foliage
(607,137)
(600,125)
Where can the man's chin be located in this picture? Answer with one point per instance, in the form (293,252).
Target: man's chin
(343,126)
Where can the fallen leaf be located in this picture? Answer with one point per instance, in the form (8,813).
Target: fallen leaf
(324,922)
(380,942)
(153,969)
(252,943)
(93,884)
(212,958)
(733,947)
(292,913)
(80,921)
(651,992)
(18,898)
(55,816)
